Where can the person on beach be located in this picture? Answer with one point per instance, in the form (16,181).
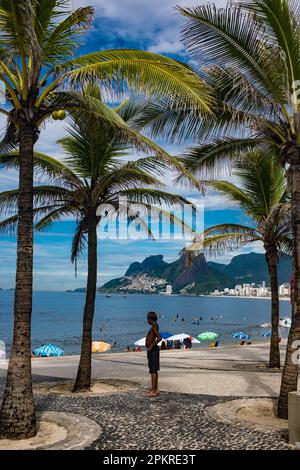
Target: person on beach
(152,339)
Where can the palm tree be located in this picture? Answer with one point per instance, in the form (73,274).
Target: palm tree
(42,75)
(93,175)
(249,53)
(262,194)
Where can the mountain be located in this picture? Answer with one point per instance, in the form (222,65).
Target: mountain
(252,268)
(192,274)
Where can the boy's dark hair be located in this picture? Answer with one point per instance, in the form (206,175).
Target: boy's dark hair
(152,316)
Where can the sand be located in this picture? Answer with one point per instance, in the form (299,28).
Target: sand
(99,387)
(48,433)
(257,413)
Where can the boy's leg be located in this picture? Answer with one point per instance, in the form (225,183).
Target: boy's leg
(154,382)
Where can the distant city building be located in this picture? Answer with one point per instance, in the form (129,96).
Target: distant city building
(253,290)
(284,290)
(169,289)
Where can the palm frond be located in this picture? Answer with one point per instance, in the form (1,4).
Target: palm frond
(222,229)
(151,196)
(238,91)
(218,158)
(44,165)
(158,119)
(42,195)
(286,246)
(263,179)
(125,177)
(144,212)
(217,245)
(143,72)
(281,20)
(99,131)
(78,243)
(56,214)
(231,36)
(10,138)
(278,225)
(9,225)
(89,111)
(61,41)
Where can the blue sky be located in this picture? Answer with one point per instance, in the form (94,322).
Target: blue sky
(152,26)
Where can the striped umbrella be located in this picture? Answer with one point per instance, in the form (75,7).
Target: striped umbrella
(48,350)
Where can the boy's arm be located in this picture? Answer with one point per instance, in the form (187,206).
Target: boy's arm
(158,338)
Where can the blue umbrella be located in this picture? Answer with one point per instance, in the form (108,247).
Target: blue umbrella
(240,335)
(266,334)
(165,334)
(48,350)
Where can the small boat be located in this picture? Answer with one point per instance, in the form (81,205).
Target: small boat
(108,296)
(266,325)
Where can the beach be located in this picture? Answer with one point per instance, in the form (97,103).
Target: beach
(191,383)
(223,371)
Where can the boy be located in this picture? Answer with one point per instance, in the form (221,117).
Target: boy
(152,339)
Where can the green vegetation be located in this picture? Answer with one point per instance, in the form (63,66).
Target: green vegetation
(243,102)
(42,75)
(263,195)
(251,50)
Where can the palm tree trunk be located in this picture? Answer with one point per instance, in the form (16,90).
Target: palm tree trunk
(289,379)
(274,360)
(83,379)
(17,416)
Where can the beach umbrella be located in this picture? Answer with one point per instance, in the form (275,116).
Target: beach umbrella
(100,346)
(48,350)
(266,334)
(285,322)
(165,334)
(207,336)
(140,342)
(182,336)
(240,335)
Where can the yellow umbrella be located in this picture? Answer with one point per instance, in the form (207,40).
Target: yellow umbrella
(100,346)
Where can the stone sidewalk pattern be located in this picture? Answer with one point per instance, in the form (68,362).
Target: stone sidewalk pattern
(172,421)
(190,383)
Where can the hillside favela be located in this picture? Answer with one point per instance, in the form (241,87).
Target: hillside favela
(154,275)
(149,232)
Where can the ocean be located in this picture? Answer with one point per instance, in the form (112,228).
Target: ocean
(57,317)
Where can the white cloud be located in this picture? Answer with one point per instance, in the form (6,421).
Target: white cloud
(155,20)
(166,47)
(47,143)
(49,135)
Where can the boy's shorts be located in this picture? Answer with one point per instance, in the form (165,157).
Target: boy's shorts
(153,360)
